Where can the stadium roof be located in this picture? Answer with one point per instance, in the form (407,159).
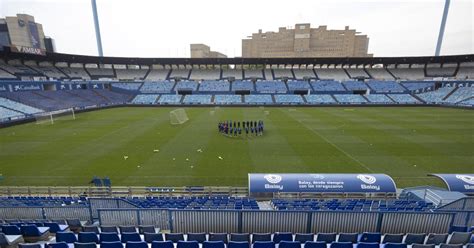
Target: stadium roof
(8,54)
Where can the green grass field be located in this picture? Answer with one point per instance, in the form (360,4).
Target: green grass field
(406,143)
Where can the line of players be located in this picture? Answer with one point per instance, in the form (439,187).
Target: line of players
(236,128)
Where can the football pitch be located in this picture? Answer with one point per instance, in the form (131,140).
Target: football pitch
(137,146)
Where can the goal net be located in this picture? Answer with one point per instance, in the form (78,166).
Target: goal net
(178,116)
(53,116)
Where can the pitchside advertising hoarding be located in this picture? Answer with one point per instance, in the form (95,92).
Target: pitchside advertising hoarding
(321,183)
(463,183)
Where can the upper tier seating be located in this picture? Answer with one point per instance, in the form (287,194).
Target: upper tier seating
(18,107)
(186,85)
(347,98)
(318,99)
(408,74)
(179,73)
(355,85)
(327,86)
(4,74)
(131,74)
(386,86)
(264,99)
(200,99)
(236,74)
(36,201)
(19,70)
(357,73)
(253,73)
(51,72)
(157,87)
(378,98)
(214,86)
(199,202)
(227,99)
(435,96)
(293,99)
(469,102)
(75,72)
(417,85)
(298,85)
(145,99)
(101,72)
(170,99)
(434,70)
(268,74)
(380,74)
(8,113)
(282,73)
(157,75)
(243,85)
(205,74)
(304,73)
(461,94)
(271,86)
(331,74)
(466,71)
(127,86)
(403,98)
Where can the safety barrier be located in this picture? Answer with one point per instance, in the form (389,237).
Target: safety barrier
(81,213)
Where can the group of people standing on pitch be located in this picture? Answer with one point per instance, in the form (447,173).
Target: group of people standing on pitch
(237,128)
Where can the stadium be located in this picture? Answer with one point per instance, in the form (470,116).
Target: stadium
(238,152)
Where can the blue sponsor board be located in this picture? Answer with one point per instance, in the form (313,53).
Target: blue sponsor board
(321,183)
(463,183)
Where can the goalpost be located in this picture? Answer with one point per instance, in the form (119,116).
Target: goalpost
(58,115)
(178,116)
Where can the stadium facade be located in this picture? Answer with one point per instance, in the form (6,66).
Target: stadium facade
(304,41)
(204,51)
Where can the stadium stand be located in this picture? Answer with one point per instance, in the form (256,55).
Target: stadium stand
(97,73)
(446,71)
(8,113)
(357,73)
(403,98)
(46,201)
(302,74)
(466,71)
(379,73)
(417,85)
(145,99)
(221,86)
(18,107)
(283,73)
(435,96)
(179,73)
(157,87)
(157,75)
(385,86)
(289,99)
(237,74)
(186,85)
(170,99)
(355,85)
(378,98)
(404,73)
(199,99)
(200,202)
(131,74)
(320,99)
(268,74)
(298,85)
(253,73)
(460,94)
(271,87)
(347,98)
(227,99)
(127,86)
(205,74)
(75,72)
(51,72)
(263,99)
(328,86)
(243,85)
(331,74)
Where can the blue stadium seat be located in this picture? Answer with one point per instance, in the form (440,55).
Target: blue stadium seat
(175,237)
(263,244)
(436,238)
(111,244)
(370,237)
(85,245)
(87,237)
(234,244)
(130,236)
(282,236)
(341,245)
(261,237)
(414,238)
(187,244)
(218,237)
(315,244)
(395,245)
(25,245)
(68,237)
(392,238)
(214,244)
(136,244)
(303,237)
(460,238)
(326,237)
(199,237)
(146,229)
(34,233)
(150,237)
(109,229)
(56,245)
(108,237)
(162,244)
(239,237)
(11,230)
(368,245)
(348,237)
(94,229)
(55,227)
(289,244)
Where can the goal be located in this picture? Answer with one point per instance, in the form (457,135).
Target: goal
(58,115)
(178,116)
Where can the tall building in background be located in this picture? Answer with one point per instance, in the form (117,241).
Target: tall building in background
(304,41)
(21,32)
(204,51)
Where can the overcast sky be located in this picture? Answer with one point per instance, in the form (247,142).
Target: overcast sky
(160,28)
